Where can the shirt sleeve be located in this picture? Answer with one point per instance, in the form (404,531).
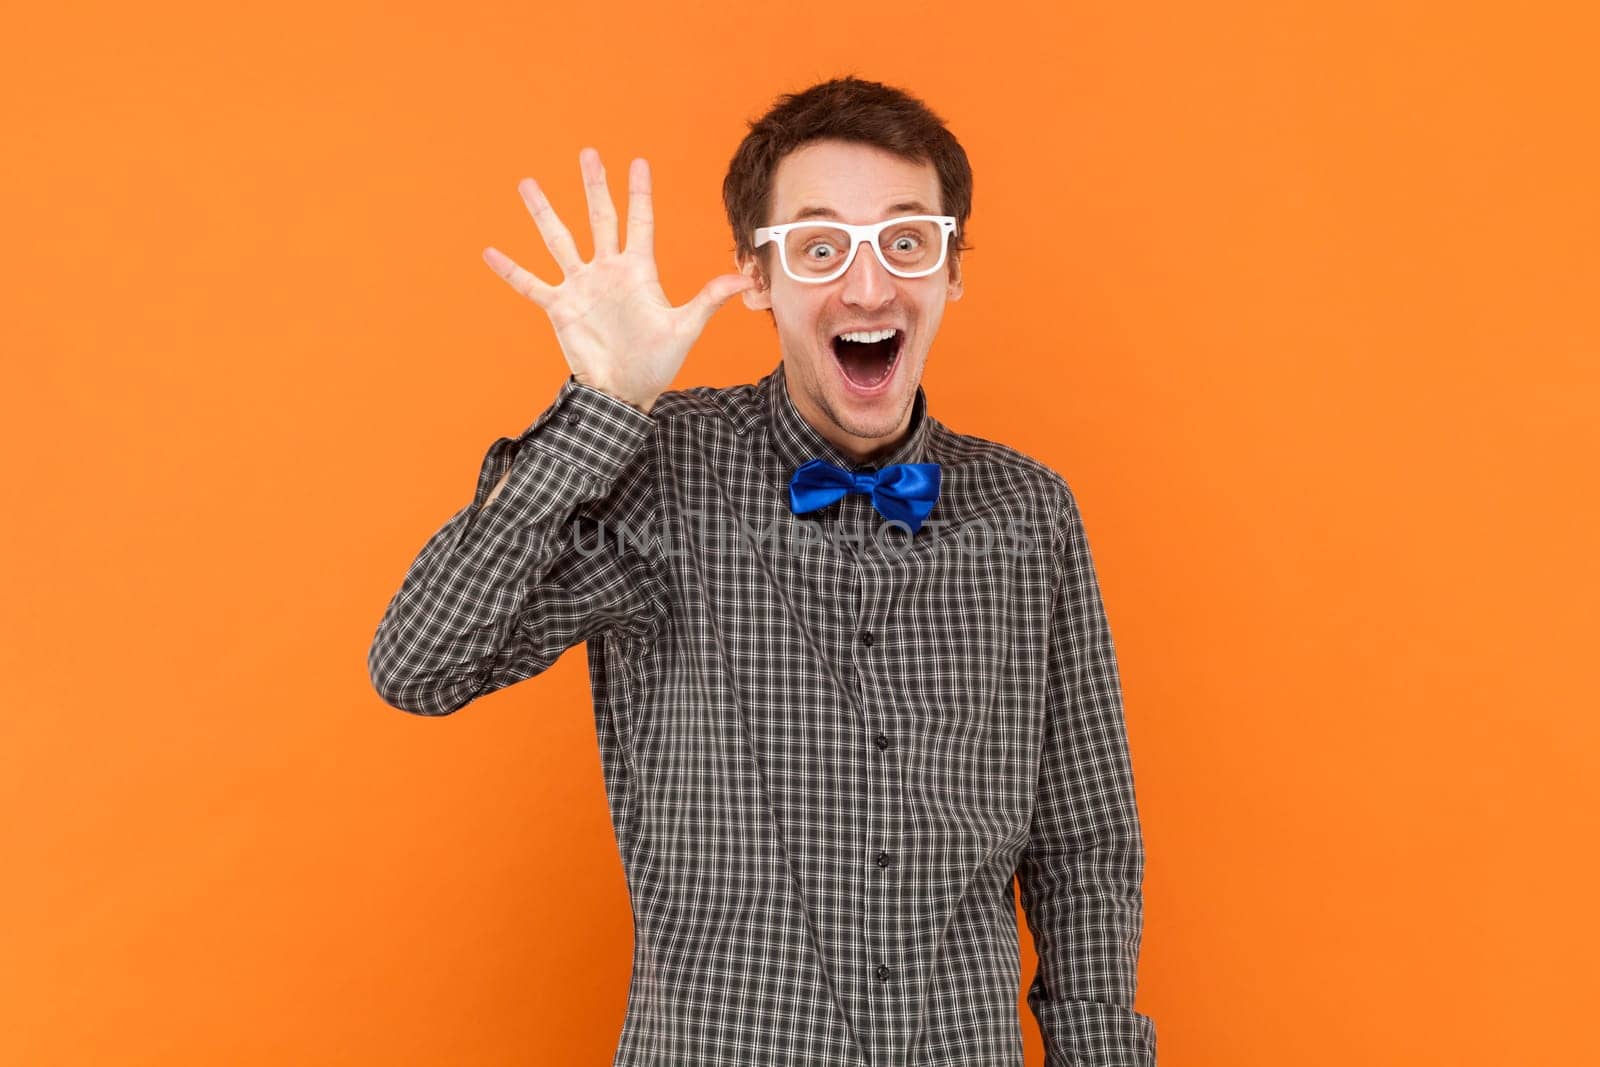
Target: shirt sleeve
(567,551)
(1083,867)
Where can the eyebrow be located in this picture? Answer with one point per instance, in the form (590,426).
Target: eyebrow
(905,207)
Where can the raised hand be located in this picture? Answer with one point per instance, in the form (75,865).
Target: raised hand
(612,320)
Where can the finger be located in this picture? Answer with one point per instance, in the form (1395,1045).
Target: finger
(602,212)
(556,237)
(641,211)
(716,293)
(520,280)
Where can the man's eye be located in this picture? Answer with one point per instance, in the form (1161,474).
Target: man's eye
(906,243)
(819,251)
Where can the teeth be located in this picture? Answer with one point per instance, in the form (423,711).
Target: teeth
(867,336)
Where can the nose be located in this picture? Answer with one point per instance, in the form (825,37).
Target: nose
(866,283)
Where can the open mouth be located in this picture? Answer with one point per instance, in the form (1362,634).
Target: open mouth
(868,356)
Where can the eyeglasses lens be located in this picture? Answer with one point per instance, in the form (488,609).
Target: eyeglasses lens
(817,250)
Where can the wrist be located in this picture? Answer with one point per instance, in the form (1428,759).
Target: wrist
(644,404)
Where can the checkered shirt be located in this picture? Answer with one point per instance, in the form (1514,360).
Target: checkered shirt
(829,745)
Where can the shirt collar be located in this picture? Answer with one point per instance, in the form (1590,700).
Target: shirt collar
(794,440)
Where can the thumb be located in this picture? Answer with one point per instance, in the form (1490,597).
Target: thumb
(716,293)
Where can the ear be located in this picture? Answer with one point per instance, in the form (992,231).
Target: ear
(955,287)
(759,298)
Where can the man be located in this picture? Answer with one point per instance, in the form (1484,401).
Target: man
(851,669)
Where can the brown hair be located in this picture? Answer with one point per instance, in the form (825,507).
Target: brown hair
(843,109)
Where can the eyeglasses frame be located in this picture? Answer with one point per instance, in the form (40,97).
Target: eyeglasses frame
(860,234)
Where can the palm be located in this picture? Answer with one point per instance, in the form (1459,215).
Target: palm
(614,323)
(615,306)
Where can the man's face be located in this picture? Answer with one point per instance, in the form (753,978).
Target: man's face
(840,388)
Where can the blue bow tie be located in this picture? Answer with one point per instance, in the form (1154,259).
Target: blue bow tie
(902,491)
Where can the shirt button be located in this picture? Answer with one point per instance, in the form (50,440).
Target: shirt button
(866,638)
(883,859)
(883,973)
(883,742)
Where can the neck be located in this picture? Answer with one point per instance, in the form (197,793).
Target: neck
(861,450)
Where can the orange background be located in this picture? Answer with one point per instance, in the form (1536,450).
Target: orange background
(1300,298)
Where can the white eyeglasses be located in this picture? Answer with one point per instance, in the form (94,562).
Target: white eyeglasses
(911,246)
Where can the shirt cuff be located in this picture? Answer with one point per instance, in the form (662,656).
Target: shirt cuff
(587,432)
